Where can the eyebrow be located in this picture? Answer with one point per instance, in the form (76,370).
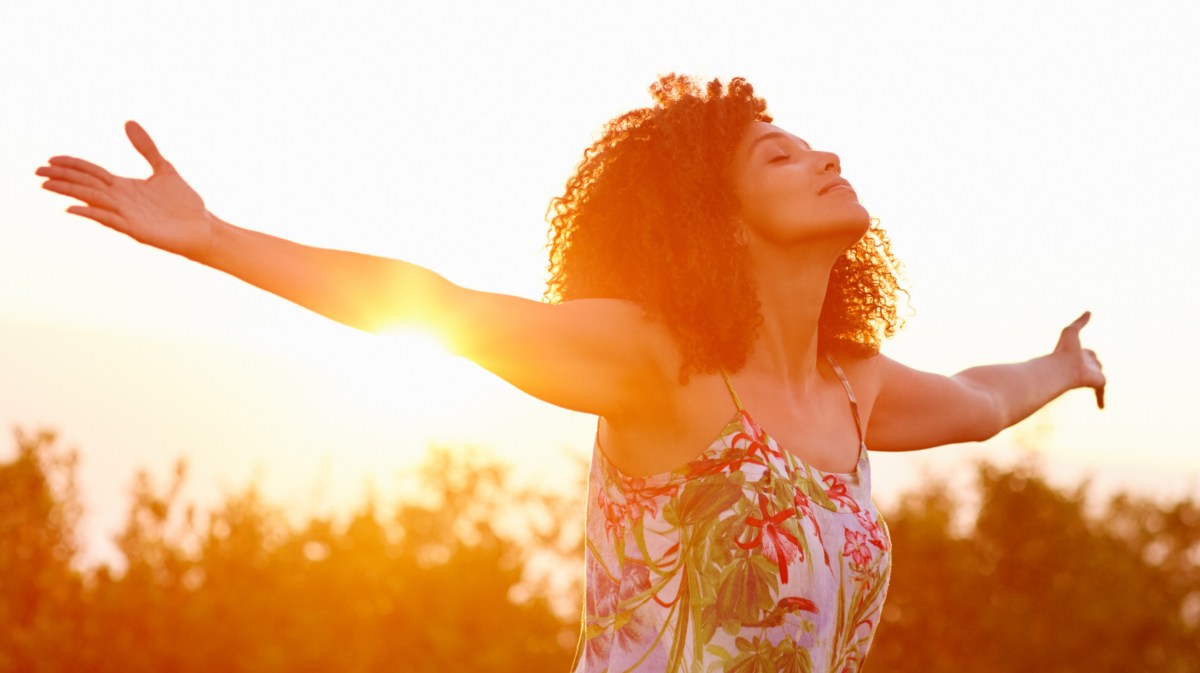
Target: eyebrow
(775,135)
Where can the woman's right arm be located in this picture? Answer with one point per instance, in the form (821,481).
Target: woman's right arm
(599,356)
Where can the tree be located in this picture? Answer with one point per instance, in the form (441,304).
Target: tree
(1037,584)
(40,591)
(437,584)
(1038,578)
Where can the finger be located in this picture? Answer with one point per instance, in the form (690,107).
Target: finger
(146,147)
(90,196)
(1079,322)
(1100,396)
(85,167)
(71,175)
(105,217)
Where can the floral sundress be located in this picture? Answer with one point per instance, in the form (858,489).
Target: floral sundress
(743,559)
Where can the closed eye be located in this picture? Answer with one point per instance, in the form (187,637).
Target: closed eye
(780,158)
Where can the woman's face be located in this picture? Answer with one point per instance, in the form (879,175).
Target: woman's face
(790,193)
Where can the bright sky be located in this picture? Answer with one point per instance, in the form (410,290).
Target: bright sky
(1030,160)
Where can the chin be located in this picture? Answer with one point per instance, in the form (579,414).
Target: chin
(849,230)
(844,227)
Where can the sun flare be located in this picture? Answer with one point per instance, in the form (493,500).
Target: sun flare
(402,367)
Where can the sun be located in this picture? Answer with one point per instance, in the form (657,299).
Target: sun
(404,375)
(404,368)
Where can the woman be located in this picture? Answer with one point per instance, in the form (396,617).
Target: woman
(713,276)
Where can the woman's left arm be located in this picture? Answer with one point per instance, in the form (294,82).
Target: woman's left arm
(918,410)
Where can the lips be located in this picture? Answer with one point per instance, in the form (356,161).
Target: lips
(836,183)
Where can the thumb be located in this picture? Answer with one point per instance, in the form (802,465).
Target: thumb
(1072,331)
(1079,322)
(146,147)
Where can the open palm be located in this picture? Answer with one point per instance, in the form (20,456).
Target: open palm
(162,210)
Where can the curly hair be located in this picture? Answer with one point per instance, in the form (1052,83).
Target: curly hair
(650,216)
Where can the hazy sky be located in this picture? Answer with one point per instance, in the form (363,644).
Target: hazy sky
(1029,159)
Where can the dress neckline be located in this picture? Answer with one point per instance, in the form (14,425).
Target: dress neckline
(837,369)
(711,456)
(800,461)
(862,443)
(742,419)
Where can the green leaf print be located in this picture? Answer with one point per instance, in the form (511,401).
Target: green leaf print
(791,658)
(702,499)
(754,656)
(757,655)
(721,552)
(807,485)
(719,660)
(747,590)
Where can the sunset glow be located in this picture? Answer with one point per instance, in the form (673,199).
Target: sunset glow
(1023,177)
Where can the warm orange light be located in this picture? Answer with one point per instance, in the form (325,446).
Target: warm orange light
(405,366)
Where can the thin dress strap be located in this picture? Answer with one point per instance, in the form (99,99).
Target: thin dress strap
(849,393)
(737,401)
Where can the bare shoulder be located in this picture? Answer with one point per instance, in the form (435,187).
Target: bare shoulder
(875,376)
(865,373)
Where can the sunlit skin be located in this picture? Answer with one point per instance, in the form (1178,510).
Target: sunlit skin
(603,356)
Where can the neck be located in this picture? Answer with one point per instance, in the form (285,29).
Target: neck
(791,286)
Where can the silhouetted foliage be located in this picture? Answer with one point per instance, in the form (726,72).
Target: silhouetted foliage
(436,584)
(1036,584)
(1037,579)
(41,597)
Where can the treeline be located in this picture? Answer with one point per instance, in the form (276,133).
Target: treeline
(467,574)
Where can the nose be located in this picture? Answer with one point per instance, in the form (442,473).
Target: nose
(830,162)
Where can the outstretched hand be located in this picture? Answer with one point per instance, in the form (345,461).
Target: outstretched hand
(161,210)
(1089,373)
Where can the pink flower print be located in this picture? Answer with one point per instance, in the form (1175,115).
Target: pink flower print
(783,608)
(614,515)
(856,548)
(636,580)
(753,441)
(803,504)
(601,595)
(873,531)
(704,466)
(641,499)
(804,510)
(794,603)
(636,500)
(614,598)
(749,424)
(777,544)
(601,602)
(836,488)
